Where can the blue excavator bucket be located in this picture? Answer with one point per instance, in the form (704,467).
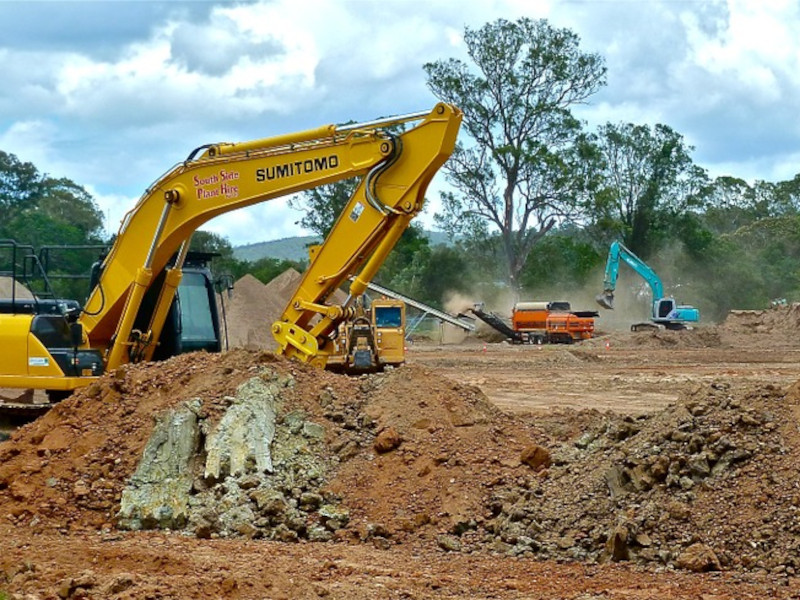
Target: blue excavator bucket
(606,300)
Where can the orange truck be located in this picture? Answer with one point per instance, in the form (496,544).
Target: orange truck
(542,323)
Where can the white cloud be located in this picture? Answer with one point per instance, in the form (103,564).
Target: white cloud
(114,207)
(266,221)
(30,141)
(756,49)
(116,106)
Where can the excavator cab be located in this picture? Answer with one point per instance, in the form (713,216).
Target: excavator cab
(43,332)
(192,322)
(664,307)
(389,323)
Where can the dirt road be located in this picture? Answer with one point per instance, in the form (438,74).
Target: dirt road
(620,378)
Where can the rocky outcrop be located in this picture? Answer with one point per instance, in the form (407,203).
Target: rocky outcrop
(257,474)
(158,493)
(241,442)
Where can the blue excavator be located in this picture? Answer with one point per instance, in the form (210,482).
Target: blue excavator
(666,312)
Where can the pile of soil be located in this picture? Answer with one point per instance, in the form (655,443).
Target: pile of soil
(699,337)
(411,453)
(776,321)
(7,286)
(758,328)
(249,314)
(255,306)
(706,484)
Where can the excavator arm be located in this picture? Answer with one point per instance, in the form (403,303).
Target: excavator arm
(372,222)
(215,179)
(618,252)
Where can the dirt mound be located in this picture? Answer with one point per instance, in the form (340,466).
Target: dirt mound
(778,320)
(700,337)
(709,483)
(253,309)
(404,452)
(284,285)
(7,287)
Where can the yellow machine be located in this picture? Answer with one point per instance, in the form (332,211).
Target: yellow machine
(64,352)
(373,338)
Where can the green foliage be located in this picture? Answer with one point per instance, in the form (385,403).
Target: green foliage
(432,274)
(732,203)
(402,257)
(20,183)
(747,268)
(649,184)
(561,261)
(263,269)
(530,166)
(730,280)
(207,241)
(267,269)
(48,213)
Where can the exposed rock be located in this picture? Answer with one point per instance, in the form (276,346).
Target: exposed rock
(243,436)
(536,457)
(258,474)
(387,440)
(157,495)
(617,544)
(450,543)
(641,478)
(616,480)
(270,502)
(698,558)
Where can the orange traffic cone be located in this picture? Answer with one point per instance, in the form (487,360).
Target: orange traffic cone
(608,344)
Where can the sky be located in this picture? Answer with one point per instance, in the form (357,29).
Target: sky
(111,94)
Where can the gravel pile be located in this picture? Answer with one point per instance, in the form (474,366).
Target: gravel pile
(709,483)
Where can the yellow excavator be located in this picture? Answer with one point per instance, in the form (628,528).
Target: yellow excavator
(124,316)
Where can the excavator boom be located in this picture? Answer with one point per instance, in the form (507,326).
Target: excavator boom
(154,236)
(616,253)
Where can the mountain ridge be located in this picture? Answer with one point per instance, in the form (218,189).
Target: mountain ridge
(295,248)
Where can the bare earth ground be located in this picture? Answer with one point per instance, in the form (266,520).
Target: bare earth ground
(623,377)
(61,477)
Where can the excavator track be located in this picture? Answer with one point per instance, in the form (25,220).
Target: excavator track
(17,409)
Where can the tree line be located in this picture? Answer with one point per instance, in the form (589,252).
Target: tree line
(535,196)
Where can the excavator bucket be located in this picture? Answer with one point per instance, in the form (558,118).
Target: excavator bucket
(606,300)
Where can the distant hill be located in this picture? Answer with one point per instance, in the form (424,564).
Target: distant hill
(296,248)
(291,248)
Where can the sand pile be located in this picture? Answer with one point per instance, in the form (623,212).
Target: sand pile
(778,320)
(7,286)
(255,306)
(250,314)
